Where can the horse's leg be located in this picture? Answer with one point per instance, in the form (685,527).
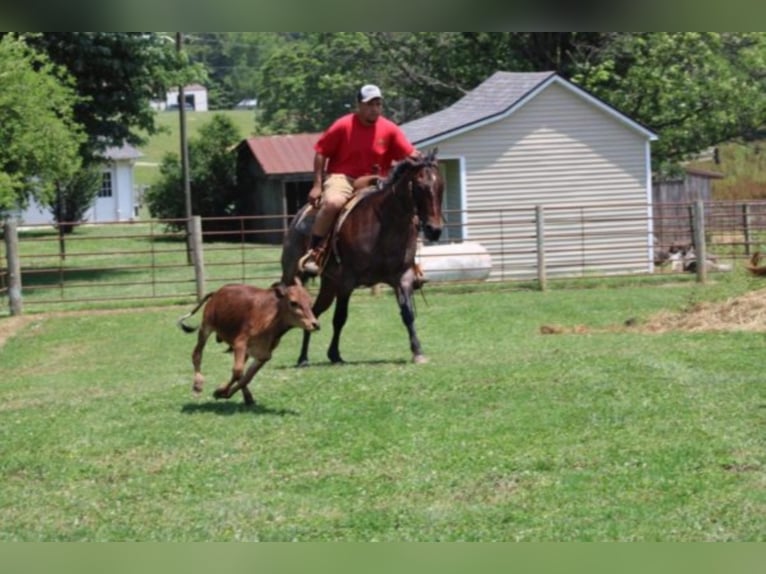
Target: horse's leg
(338,321)
(321,304)
(404,297)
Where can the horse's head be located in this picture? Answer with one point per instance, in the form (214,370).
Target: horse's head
(427,190)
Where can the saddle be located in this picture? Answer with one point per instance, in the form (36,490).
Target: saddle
(363,186)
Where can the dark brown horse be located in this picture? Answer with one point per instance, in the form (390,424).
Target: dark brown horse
(374,243)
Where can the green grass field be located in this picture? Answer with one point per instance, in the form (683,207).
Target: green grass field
(505,435)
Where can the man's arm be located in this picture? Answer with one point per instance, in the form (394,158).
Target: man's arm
(316,189)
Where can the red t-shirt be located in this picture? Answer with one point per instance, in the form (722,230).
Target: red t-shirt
(355,149)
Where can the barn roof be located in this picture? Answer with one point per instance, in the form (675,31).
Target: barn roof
(284,154)
(494,99)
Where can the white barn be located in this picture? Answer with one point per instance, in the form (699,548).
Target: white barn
(521,140)
(115,200)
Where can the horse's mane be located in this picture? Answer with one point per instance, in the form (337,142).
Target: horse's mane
(402,167)
(399,169)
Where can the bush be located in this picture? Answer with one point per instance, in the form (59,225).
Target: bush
(212,175)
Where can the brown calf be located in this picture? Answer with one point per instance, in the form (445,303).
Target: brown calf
(252,321)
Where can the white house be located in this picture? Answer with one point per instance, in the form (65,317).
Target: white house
(194,94)
(115,201)
(521,140)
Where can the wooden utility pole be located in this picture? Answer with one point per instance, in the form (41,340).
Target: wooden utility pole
(184,155)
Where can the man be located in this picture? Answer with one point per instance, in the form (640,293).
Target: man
(360,143)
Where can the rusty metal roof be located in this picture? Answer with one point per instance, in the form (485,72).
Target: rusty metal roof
(285,154)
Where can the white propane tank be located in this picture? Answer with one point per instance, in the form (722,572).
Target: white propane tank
(454,261)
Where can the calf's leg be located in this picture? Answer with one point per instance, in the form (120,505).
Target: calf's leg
(202,338)
(242,383)
(240,356)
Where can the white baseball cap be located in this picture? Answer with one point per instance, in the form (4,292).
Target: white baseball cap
(368,92)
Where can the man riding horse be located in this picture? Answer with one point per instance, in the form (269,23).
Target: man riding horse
(357,144)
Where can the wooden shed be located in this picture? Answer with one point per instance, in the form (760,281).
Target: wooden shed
(671,205)
(519,140)
(274,176)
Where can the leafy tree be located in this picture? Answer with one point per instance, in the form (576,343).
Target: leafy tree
(212,175)
(695,89)
(436,69)
(39,138)
(74,197)
(232,60)
(311,80)
(117,74)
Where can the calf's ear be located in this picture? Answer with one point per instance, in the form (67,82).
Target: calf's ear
(279,289)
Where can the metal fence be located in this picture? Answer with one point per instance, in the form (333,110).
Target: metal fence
(153,260)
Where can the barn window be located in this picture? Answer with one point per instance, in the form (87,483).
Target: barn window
(106,185)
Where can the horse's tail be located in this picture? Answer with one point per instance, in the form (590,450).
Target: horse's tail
(187,328)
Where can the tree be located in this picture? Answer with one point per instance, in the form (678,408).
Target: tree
(117,75)
(311,80)
(72,198)
(39,137)
(232,61)
(694,89)
(212,176)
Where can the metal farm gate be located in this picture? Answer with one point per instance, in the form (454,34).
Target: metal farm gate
(119,264)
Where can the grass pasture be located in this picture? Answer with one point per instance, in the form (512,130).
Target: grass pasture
(506,434)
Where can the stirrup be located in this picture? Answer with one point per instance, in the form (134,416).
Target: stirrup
(309,263)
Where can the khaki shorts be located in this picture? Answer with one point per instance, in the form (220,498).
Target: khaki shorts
(337,189)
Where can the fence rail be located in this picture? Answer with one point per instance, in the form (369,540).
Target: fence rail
(42,269)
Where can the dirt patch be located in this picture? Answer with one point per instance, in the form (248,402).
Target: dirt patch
(744,313)
(12,325)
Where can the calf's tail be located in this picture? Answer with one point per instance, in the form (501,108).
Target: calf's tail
(187,328)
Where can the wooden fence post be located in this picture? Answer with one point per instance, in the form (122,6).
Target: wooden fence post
(14,267)
(542,279)
(195,232)
(746,225)
(700,249)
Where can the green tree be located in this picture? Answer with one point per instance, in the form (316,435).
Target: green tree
(311,80)
(232,61)
(694,89)
(72,198)
(39,138)
(212,176)
(117,74)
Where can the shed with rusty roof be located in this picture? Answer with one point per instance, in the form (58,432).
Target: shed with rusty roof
(274,175)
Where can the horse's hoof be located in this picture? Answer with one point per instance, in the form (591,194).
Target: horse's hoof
(302,363)
(419,359)
(220,394)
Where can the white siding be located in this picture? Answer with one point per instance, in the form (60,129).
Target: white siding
(561,151)
(119,207)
